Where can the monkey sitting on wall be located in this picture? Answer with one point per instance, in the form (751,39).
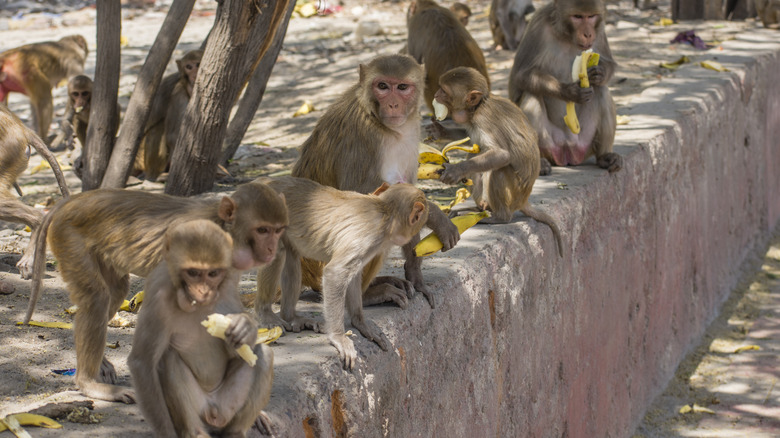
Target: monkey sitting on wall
(188,382)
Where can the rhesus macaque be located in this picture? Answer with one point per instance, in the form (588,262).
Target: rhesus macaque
(15,140)
(34,69)
(101,236)
(769,13)
(540,83)
(167,113)
(439,41)
(345,230)
(507,22)
(368,137)
(462,12)
(505,170)
(190,383)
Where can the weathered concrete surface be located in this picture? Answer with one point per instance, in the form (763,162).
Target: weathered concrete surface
(525,344)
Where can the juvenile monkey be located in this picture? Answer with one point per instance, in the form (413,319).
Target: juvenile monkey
(540,83)
(769,13)
(439,41)
(505,170)
(367,137)
(346,242)
(188,382)
(34,69)
(15,141)
(462,12)
(507,22)
(101,236)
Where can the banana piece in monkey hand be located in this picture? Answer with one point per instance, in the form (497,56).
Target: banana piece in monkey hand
(14,423)
(579,71)
(216,324)
(431,243)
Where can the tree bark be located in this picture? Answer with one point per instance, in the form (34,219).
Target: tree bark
(253,95)
(148,81)
(242,30)
(100,133)
(687,9)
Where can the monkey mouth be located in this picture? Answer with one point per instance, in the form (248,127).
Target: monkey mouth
(585,46)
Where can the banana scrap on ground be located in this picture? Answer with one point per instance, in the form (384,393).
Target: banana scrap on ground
(579,71)
(14,423)
(431,243)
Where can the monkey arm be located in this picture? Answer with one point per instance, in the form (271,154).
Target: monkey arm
(440,224)
(493,158)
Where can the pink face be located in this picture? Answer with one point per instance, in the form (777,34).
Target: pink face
(585,29)
(396,99)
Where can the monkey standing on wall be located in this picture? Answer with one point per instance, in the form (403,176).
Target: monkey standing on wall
(368,137)
(541,83)
(102,236)
(505,170)
(34,69)
(188,382)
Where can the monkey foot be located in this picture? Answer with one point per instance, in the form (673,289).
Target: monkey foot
(545,167)
(370,331)
(346,349)
(263,424)
(107,372)
(24,265)
(298,323)
(610,161)
(103,391)
(388,289)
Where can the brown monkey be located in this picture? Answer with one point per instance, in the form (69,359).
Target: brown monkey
(345,230)
(368,137)
(34,69)
(505,170)
(167,113)
(15,140)
(507,22)
(541,83)
(439,41)
(769,13)
(101,236)
(462,12)
(188,382)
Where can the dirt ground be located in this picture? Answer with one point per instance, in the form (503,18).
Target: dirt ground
(318,61)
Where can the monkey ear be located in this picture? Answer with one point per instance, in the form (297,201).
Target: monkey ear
(381,189)
(417,212)
(473,98)
(227,209)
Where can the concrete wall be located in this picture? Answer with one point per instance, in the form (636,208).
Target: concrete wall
(526,344)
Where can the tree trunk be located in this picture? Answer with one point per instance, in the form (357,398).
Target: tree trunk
(709,9)
(253,95)
(242,30)
(148,81)
(100,134)
(687,9)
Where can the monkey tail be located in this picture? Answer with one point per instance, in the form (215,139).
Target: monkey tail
(543,217)
(39,263)
(44,151)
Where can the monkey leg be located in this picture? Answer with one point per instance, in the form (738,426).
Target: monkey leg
(259,393)
(267,285)
(13,210)
(39,91)
(341,277)
(377,290)
(184,397)
(604,137)
(291,291)
(505,191)
(369,330)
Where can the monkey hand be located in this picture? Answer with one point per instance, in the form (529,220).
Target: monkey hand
(242,330)
(610,161)
(597,75)
(574,93)
(346,349)
(370,331)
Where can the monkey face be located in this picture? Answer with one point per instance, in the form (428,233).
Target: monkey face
(191,70)
(80,100)
(260,247)
(395,99)
(199,287)
(584,26)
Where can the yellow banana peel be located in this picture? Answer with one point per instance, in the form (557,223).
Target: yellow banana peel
(713,65)
(461,195)
(306,108)
(216,324)
(474,149)
(430,244)
(429,171)
(14,422)
(266,336)
(56,324)
(429,154)
(579,71)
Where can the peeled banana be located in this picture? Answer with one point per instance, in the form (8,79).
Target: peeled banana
(216,324)
(429,171)
(431,243)
(579,71)
(15,421)
(439,110)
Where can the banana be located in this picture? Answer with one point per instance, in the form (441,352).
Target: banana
(579,71)
(56,324)
(135,302)
(713,65)
(461,195)
(216,324)
(267,336)
(429,171)
(15,422)
(474,149)
(439,110)
(431,243)
(429,154)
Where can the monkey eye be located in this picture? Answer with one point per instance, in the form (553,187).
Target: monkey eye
(577,16)
(192,272)
(383,86)
(263,230)
(403,86)
(214,273)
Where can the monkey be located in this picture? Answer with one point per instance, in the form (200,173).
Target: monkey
(507,22)
(345,230)
(370,135)
(34,69)
(540,83)
(190,383)
(505,170)
(462,12)
(101,236)
(769,13)
(439,41)
(167,113)
(15,140)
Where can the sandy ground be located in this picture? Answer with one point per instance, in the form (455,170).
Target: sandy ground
(319,60)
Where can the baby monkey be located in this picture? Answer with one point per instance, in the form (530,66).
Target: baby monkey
(505,171)
(189,383)
(345,230)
